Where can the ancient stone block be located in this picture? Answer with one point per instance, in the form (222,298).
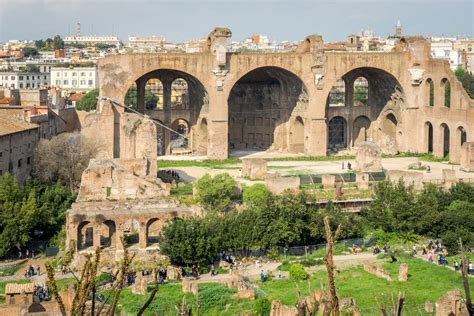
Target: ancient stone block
(247,294)
(379,272)
(189,285)
(368,267)
(403,272)
(369,157)
(347,304)
(277,184)
(449,177)
(119,179)
(429,307)
(409,177)
(254,168)
(467,156)
(450,304)
(140,286)
(279,309)
(362,180)
(329,181)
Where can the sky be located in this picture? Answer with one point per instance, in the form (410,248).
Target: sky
(181,20)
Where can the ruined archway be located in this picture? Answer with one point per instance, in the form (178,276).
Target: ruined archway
(369,94)
(429,137)
(444,133)
(153,230)
(179,95)
(180,137)
(263,104)
(337,134)
(360,127)
(85,235)
(107,233)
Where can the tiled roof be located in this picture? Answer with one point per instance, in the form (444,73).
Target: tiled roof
(6,100)
(11,122)
(14,288)
(76,96)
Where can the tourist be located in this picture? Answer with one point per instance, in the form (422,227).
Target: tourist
(349,166)
(414,250)
(257,264)
(424,252)
(470,269)
(262,276)
(38,270)
(386,248)
(428,169)
(376,250)
(213,270)
(456,266)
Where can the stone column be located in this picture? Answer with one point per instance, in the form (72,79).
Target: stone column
(167,113)
(142,236)
(96,236)
(317,137)
(438,141)
(119,236)
(349,91)
(141,84)
(217,126)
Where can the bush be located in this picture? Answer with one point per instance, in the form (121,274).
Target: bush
(297,272)
(256,195)
(212,295)
(263,306)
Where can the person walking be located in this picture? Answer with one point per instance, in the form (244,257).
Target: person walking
(262,276)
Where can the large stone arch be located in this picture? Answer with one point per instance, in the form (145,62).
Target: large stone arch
(117,73)
(385,95)
(262,104)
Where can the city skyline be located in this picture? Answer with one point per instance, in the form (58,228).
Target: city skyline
(197,18)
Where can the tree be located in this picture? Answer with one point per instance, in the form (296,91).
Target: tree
(89,101)
(131,98)
(215,193)
(64,158)
(467,80)
(30,51)
(40,44)
(58,42)
(35,206)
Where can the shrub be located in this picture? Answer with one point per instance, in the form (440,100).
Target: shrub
(263,306)
(212,295)
(297,272)
(256,195)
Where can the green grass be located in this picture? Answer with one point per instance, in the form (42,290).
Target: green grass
(214,299)
(209,163)
(422,156)
(426,281)
(183,189)
(313,158)
(11,270)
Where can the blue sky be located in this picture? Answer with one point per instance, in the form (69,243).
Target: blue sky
(182,20)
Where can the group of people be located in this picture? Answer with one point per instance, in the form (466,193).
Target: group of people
(41,292)
(27,254)
(32,271)
(173,174)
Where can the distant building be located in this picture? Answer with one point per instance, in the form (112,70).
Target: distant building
(146,43)
(76,79)
(443,48)
(197,46)
(24,80)
(21,128)
(93,40)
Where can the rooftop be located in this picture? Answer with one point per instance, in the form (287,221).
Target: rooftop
(12,118)
(13,288)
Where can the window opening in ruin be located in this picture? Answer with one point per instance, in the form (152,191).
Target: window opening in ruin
(337,133)
(361,92)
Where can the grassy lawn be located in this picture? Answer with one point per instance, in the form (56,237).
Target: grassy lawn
(426,282)
(209,163)
(214,299)
(12,270)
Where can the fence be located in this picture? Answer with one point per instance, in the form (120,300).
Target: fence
(340,177)
(300,250)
